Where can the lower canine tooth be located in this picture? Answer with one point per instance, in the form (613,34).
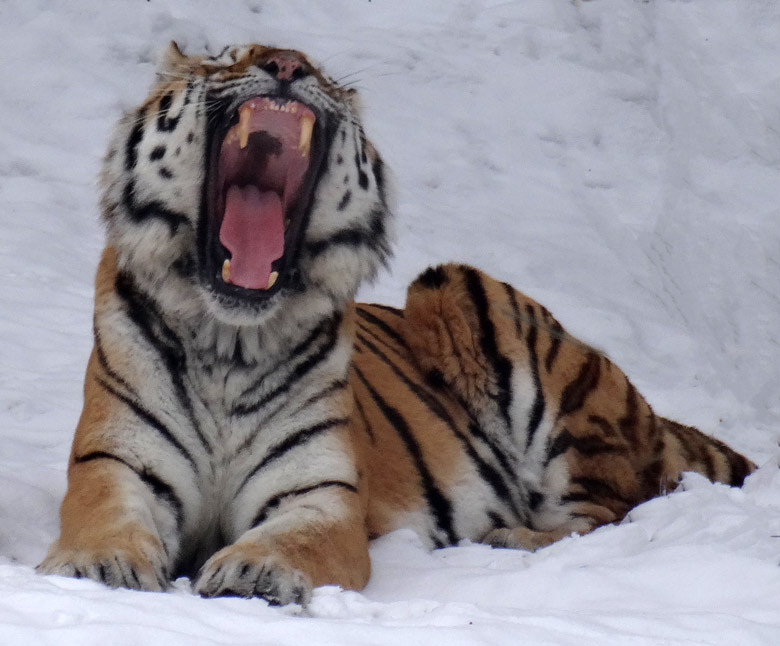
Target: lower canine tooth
(304,143)
(226,271)
(272,279)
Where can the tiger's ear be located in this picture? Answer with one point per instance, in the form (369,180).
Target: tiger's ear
(172,60)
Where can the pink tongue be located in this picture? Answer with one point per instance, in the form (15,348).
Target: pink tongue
(253,232)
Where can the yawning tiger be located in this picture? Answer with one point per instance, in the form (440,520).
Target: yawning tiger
(246,423)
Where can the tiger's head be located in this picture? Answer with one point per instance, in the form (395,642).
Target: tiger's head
(244,182)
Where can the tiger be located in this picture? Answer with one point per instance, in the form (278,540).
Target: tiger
(250,426)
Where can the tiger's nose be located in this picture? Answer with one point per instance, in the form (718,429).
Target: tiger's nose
(286,66)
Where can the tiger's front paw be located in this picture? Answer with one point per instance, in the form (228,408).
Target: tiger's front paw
(138,566)
(239,571)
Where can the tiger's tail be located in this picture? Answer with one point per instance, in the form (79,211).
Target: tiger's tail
(685,448)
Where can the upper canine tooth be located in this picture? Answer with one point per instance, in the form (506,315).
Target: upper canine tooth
(272,279)
(244,116)
(304,143)
(226,271)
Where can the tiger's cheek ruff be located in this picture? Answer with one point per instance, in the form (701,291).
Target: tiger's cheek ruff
(350,234)
(151,179)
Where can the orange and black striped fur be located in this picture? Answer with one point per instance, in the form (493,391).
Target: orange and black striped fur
(246,423)
(508,430)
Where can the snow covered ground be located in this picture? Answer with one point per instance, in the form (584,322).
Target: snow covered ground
(618,160)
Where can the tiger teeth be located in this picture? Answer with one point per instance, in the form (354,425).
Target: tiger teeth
(226,271)
(272,279)
(244,116)
(304,143)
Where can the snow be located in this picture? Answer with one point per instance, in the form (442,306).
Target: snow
(617,160)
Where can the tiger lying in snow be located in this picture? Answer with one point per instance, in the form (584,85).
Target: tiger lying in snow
(248,424)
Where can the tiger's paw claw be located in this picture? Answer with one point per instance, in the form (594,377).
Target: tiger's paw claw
(232,572)
(116,568)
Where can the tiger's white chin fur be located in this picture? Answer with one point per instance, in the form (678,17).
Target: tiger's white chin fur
(253,336)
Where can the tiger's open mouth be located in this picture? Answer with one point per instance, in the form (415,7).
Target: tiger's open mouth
(262,173)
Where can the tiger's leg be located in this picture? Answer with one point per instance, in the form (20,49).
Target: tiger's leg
(586,481)
(107,529)
(120,520)
(296,525)
(582,432)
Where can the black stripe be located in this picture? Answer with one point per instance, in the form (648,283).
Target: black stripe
(334,387)
(377,166)
(432,278)
(496,520)
(587,446)
(362,413)
(164,122)
(300,371)
(152,210)
(375,320)
(276,500)
(292,441)
(709,462)
(501,458)
(361,338)
(675,429)
(576,391)
(385,308)
(434,379)
(373,236)
(351,237)
(740,467)
(695,447)
(161,489)
(511,294)
(328,325)
(628,423)
(145,415)
(502,367)
(145,314)
(103,361)
(555,330)
(653,480)
(537,409)
(439,505)
(603,425)
(344,200)
(136,135)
